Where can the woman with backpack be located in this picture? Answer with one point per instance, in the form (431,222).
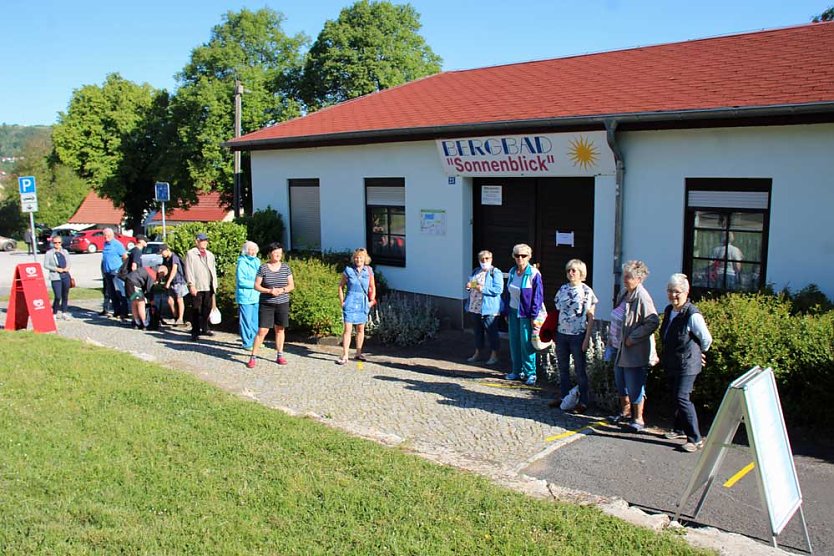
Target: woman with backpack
(485,286)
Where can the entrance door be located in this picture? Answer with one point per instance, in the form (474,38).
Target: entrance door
(531,211)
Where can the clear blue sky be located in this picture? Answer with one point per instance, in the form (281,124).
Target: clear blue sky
(48,48)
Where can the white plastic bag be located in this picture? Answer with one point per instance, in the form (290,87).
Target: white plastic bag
(571,400)
(215,317)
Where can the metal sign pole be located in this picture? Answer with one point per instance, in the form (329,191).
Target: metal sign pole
(164,230)
(34,237)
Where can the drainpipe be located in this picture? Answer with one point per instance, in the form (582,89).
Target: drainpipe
(611,135)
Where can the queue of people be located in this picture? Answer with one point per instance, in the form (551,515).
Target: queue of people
(630,345)
(263,295)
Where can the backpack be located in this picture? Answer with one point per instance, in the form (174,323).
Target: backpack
(153,322)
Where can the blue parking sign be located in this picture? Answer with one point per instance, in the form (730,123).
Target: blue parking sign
(26,184)
(163,192)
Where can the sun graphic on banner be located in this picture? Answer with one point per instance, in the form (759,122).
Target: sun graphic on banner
(583,152)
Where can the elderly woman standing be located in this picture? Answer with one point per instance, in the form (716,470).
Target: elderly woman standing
(56,261)
(575,302)
(274,282)
(357,294)
(485,286)
(631,364)
(686,339)
(246,296)
(523,299)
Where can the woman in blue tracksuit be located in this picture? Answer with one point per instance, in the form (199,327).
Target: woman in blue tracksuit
(246,297)
(523,300)
(485,286)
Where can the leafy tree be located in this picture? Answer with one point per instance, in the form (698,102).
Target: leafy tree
(113,136)
(252,47)
(371,46)
(14,137)
(60,190)
(827,15)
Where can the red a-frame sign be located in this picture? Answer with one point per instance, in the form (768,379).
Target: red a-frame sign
(29,299)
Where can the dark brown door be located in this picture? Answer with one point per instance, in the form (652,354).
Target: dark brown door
(532,210)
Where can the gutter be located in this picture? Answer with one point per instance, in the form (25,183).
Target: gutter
(619,179)
(599,121)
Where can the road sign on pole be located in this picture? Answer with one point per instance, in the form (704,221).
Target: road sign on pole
(162,192)
(26,184)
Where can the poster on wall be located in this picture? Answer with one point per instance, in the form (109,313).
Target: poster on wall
(433,222)
(491,195)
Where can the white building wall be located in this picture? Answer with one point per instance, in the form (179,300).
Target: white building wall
(799,159)
(436,265)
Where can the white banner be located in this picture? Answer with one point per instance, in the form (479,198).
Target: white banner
(555,154)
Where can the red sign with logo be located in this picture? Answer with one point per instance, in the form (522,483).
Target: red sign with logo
(29,299)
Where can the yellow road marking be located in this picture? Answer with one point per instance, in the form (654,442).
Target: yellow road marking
(738,476)
(571,433)
(359,365)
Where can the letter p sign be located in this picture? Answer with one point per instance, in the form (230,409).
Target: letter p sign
(26,184)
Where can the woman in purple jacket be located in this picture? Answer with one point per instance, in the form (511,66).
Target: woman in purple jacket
(523,298)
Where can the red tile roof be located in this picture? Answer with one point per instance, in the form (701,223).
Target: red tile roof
(207,209)
(97,210)
(790,66)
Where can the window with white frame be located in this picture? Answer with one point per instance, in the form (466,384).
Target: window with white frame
(726,233)
(305,214)
(385,220)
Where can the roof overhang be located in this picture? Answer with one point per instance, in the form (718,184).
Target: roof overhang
(730,116)
(74,227)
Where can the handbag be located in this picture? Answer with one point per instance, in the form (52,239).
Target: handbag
(571,400)
(215,317)
(72,282)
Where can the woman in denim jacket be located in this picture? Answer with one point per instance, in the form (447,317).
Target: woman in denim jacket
(523,299)
(485,286)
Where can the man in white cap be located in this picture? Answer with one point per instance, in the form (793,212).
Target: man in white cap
(201,279)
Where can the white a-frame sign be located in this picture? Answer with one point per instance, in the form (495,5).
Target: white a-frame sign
(753,399)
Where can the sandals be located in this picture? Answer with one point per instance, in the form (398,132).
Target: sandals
(360,357)
(341,360)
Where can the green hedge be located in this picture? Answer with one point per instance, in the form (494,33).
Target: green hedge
(225,241)
(762,329)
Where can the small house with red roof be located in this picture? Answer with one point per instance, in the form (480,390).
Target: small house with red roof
(96,212)
(208,208)
(709,157)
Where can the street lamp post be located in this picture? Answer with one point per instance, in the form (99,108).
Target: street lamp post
(238,95)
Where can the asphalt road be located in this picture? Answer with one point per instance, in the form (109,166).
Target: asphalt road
(85,268)
(646,470)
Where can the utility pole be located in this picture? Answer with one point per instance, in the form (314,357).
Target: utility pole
(238,95)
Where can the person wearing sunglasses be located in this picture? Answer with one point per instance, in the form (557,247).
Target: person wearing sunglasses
(56,261)
(523,299)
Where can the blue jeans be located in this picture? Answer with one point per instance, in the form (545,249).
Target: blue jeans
(521,350)
(248,323)
(686,419)
(631,382)
(486,324)
(61,290)
(567,345)
(113,300)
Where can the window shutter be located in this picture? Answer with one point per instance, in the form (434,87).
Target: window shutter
(385,196)
(305,221)
(729,199)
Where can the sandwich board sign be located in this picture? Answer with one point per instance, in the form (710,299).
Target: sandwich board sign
(753,399)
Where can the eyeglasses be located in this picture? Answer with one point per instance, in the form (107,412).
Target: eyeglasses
(520,256)
(573,270)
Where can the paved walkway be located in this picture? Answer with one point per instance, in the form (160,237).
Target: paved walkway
(448,411)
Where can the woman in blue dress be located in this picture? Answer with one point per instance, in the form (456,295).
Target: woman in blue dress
(357,293)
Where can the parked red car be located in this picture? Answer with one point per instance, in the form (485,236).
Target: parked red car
(90,241)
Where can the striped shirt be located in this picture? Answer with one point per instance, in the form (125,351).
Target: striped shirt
(274,279)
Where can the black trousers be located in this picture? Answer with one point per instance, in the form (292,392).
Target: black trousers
(200,309)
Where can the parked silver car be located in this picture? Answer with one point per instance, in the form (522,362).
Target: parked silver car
(7,244)
(152,254)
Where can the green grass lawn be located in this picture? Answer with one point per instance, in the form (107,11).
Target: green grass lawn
(103,453)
